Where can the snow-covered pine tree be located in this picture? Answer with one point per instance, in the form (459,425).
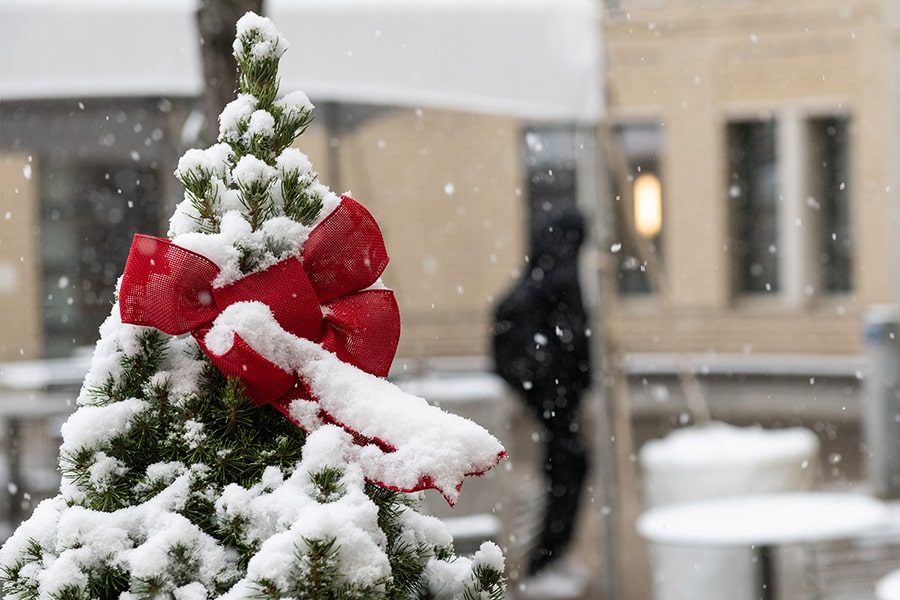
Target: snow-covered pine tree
(235,436)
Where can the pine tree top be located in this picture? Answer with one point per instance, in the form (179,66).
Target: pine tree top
(251,199)
(178,482)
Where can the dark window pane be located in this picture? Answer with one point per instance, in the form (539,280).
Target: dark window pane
(753,195)
(89,214)
(831,193)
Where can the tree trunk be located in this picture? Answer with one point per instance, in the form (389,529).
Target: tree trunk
(216,24)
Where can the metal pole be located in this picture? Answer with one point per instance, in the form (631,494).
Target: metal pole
(593,200)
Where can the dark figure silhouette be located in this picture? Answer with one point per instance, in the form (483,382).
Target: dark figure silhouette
(540,347)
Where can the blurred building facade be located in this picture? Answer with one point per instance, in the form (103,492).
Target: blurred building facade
(766,124)
(766,129)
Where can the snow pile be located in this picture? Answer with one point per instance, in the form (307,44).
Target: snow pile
(888,587)
(723,460)
(720,443)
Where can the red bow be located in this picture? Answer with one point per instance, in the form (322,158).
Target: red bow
(320,296)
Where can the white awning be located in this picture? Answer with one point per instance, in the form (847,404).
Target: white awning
(537,59)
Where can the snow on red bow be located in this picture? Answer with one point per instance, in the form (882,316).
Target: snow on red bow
(320,296)
(270,327)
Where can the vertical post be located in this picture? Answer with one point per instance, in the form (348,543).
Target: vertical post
(13,453)
(892,135)
(767,572)
(881,400)
(593,201)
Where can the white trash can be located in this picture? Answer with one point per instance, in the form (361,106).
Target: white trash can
(716,461)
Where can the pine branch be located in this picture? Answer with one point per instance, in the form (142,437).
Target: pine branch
(257,60)
(328,484)
(138,368)
(299,204)
(290,124)
(254,180)
(407,565)
(489,585)
(203,196)
(13,585)
(71,592)
(149,588)
(107,582)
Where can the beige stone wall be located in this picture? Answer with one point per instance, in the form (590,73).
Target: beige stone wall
(20,285)
(446,189)
(692,69)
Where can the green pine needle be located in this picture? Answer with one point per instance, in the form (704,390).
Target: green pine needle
(328,484)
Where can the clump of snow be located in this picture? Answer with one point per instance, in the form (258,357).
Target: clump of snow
(104,469)
(193,433)
(267,41)
(164,473)
(236,236)
(185,219)
(262,124)
(251,171)
(91,426)
(191,591)
(294,104)
(105,362)
(235,116)
(281,515)
(292,160)
(182,373)
(491,556)
(116,339)
(450,580)
(214,160)
(211,166)
(167,530)
(193,161)
(425,529)
(41,528)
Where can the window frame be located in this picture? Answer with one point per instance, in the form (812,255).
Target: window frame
(799,227)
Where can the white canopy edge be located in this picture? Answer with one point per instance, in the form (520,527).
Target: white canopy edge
(536,59)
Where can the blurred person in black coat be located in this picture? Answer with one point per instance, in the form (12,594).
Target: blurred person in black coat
(540,346)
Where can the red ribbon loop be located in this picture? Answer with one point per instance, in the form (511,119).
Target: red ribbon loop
(320,296)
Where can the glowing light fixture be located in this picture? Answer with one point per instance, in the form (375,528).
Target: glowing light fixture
(647,205)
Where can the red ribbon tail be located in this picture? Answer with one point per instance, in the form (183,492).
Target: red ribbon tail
(264,382)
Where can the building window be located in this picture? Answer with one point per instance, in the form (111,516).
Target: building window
(89,213)
(831,192)
(753,194)
(789,192)
(638,190)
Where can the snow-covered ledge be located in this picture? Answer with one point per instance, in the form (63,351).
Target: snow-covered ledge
(809,365)
(747,386)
